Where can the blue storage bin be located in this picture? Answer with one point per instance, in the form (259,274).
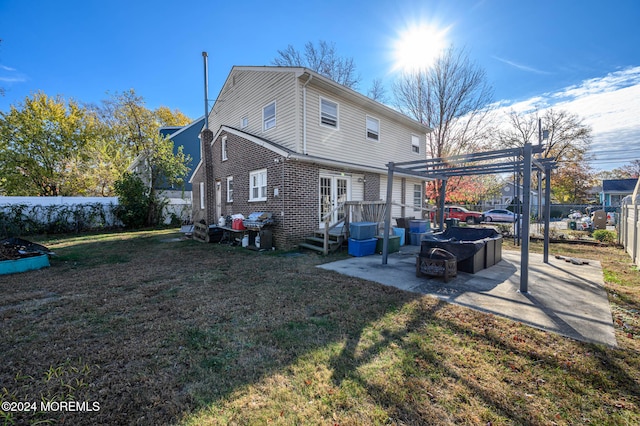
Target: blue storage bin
(418,226)
(400,233)
(416,237)
(362,247)
(363,230)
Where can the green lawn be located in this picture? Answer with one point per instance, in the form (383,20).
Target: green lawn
(159,331)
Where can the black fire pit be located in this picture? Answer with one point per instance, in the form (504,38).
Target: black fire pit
(436,262)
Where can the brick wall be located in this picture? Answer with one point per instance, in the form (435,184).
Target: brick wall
(291,188)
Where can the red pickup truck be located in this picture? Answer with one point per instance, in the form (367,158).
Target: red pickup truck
(462,214)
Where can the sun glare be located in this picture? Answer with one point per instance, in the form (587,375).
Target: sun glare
(418,46)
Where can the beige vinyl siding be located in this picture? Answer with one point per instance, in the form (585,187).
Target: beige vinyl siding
(349,142)
(357,187)
(252,91)
(396,211)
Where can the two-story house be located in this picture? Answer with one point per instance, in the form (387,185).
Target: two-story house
(289,141)
(179,198)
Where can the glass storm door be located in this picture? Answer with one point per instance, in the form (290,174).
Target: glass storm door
(334,191)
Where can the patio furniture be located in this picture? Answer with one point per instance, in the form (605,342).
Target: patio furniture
(438,263)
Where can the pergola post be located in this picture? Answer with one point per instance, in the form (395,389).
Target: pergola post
(443,194)
(387,214)
(547,211)
(526,213)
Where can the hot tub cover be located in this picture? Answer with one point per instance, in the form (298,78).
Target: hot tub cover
(461,242)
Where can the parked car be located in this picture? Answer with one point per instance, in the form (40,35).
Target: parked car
(499,215)
(462,214)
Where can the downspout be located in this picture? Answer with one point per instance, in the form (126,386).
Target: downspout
(304,115)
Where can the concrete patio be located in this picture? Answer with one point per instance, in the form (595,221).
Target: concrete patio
(563,298)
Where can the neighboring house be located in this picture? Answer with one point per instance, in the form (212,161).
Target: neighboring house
(614,190)
(508,192)
(289,141)
(180,198)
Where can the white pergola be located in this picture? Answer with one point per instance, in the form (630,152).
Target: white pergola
(511,160)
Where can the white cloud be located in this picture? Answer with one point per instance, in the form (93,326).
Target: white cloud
(522,67)
(11,75)
(610,105)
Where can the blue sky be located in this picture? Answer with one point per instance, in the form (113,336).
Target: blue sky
(581,55)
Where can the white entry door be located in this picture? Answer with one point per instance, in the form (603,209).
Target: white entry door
(334,190)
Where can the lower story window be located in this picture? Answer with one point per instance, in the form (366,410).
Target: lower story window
(230,189)
(201,195)
(258,185)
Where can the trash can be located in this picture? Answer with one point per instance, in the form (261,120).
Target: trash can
(452,222)
(572,225)
(599,219)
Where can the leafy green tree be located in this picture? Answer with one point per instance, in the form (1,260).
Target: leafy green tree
(42,146)
(134,201)
(161,168)
(129,132)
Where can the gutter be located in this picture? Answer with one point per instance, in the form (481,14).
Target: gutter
(304,115)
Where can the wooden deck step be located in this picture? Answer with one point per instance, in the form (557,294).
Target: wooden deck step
(311,247)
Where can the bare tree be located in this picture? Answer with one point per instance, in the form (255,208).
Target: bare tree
(453,98)
(322,59)
(631,170)
(567,141)
(377,91)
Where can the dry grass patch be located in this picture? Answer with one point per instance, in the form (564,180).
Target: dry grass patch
(181,332)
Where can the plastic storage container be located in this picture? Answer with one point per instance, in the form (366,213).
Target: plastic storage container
(394,243)
(416,237)
(400,232)
(363,230)
(360,248)
(418,226)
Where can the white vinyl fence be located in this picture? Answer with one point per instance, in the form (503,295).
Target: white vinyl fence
(29,215)
(629,229)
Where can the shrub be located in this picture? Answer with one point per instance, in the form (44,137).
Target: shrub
(604,235)
(134,201)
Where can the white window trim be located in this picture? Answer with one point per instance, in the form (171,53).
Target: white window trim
(201,195)
(366,121)
(229,191)
(223,147)
(337,126)
(416,207)
(264,119)
(244,122)
(414,145)
(251,187)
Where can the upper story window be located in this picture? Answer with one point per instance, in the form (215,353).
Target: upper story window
(244,122)
(229,189)
(373,128)
(328,113)
(223,146)
(258,185)
(269,116)
(415,144)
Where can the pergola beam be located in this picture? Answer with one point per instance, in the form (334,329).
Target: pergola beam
(520,160)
